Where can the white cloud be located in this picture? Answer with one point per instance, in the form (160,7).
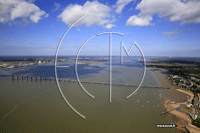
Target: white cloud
(109,26)
(13,9)
(37,16)
(176,31)
(56,5)
(31,1)
(96,14)
(170,33)
(175,10)
(120,4)
(139,21)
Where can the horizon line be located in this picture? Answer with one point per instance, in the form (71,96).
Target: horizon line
(97,56)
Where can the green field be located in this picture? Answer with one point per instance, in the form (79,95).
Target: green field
(187,109)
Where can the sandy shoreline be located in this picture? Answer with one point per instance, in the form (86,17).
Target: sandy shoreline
(187,92)
(184,119)
(161,76)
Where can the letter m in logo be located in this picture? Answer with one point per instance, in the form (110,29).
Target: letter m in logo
(127,52)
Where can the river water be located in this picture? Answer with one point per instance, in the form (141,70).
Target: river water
(29,106)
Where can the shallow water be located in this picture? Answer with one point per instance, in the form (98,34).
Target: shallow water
(29,106)
(128,73)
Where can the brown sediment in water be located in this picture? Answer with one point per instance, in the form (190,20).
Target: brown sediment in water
(187,92)
(161,76)
(184,121)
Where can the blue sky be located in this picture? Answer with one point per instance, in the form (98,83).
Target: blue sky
(160,27)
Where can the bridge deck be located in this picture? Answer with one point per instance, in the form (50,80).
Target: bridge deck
(37,78)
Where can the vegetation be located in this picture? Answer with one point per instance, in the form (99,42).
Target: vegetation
(92,63)
(187,109)
(199,111)
(14,63)
(193,101)
(196,122)
(183,72)
(178,66)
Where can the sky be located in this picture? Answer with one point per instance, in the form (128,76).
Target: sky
(159,27)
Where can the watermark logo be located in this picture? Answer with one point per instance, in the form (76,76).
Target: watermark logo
(110,64)
(166,125)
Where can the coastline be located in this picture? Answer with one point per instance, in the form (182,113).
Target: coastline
(160,74)
(185,121)
(188,93)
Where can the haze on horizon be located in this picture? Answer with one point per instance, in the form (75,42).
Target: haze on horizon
(160,27)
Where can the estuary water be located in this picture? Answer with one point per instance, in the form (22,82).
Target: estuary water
(29,106)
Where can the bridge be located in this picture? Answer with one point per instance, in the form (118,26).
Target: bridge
(40,78)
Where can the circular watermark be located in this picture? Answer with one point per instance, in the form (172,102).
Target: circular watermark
(110,64)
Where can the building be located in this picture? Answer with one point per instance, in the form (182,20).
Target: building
(11,66)
(3,66)
(189,105)
(192,78)
(176,76)
(183,81)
